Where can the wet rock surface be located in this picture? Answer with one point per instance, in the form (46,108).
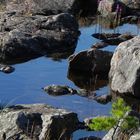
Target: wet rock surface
(87,81)
(36,121)
(124,73)
(92,60)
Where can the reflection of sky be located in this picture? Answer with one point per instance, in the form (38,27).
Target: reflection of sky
(24,85)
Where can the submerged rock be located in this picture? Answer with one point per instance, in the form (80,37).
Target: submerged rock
(23,37)
(57,90)
(37,121)
(93,60)
(124,75)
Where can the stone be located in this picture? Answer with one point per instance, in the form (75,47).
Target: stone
(92,60)
(6,68)
(103,99)
(57,90)
(29,37)
(124,75)
(53,7)
(36,121)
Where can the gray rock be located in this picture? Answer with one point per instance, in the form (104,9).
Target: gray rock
(58,90)
(92,60)
(23,37)
(36,121)
(124,75)
(47,7)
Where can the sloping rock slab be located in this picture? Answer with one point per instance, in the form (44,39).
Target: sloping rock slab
(124,75)
(23,37)
(92,60)
(36,121)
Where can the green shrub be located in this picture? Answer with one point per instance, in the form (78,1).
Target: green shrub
(119,109)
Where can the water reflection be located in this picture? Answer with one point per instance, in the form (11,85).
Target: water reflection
(87,81)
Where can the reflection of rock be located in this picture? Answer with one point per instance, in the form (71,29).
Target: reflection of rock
(104,36)
(87,81)
(6,68)
(23,37)
(37,122)
(57,90)
(124,74)
(94,61)
(60,54)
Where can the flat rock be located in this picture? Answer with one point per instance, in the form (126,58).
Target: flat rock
(36,121)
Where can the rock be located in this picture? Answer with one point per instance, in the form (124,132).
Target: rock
(104,36)
(116,133)
(6,68)
(112,8)
(90,138)
(57,90)
(47,7)
(36,121)
(111,39)
(124,75)
(103,99)
(93,61)
(29,37)
(100,45)
(132,4)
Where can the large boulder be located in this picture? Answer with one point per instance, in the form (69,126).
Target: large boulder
(92,60)
(23,37)
(36,121)
(124,75)
(49,7)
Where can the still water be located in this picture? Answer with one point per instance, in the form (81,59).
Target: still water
(24,86)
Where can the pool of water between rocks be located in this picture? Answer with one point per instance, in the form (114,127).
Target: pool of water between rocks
(24,86)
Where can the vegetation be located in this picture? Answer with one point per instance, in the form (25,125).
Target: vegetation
(118,113)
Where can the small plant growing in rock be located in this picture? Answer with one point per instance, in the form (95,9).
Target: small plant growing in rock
(118,114)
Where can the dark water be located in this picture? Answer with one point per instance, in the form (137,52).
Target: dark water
(24,85)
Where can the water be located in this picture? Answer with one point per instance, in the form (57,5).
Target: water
(24,86)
